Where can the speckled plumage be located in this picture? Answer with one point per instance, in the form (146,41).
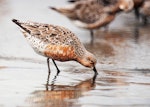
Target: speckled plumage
(56,42)
(51,35)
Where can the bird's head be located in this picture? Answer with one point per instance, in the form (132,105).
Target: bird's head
(88,60)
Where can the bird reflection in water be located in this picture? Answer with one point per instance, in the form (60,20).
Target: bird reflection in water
(60,95)
(136,33)
(90,82)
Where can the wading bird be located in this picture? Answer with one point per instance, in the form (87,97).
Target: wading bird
(56,43)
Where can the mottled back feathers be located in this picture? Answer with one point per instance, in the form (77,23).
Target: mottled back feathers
(47,36)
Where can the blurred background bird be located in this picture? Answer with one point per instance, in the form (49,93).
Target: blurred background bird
(93,14)
(145,11)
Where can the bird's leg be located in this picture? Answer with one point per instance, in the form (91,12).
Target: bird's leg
(49,71)
(47,82)
(137,14)
(136,33)
(58,71)
(92,36)
(53,82)
(144,18)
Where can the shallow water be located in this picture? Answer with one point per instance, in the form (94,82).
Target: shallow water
(123,56)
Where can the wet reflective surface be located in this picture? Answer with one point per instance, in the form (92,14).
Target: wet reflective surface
(123,55)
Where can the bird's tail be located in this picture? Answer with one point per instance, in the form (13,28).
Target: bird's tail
(72,1)
(17,22)
(64,10)
(20,24)
(53,8)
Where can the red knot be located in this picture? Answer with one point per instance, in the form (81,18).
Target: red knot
(56,43)
(90,14)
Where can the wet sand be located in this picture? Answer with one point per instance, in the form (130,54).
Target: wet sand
(123,56)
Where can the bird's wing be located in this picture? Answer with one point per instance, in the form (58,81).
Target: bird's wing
(102,21)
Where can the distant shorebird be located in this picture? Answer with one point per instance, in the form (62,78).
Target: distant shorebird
(145,11)
(56,43)
(90,14)
(86,14)
(137,5)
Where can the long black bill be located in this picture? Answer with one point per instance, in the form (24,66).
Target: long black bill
(94,69)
